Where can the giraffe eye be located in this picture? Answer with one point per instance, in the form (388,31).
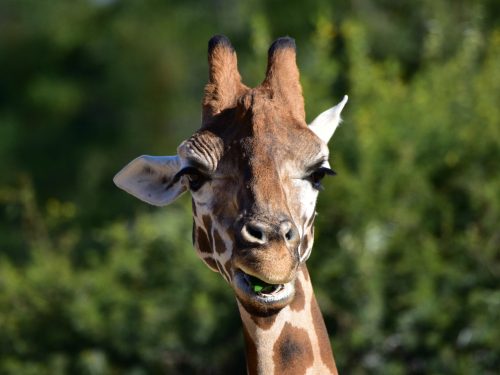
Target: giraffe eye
(196,180)
(318,175)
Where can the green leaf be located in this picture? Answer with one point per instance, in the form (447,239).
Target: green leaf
(257,288)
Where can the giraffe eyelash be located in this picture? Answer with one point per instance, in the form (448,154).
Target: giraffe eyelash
(318,175)
(196,179)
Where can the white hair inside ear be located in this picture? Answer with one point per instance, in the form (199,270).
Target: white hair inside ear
(325,124)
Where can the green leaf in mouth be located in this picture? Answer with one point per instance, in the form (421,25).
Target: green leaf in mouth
(259,286)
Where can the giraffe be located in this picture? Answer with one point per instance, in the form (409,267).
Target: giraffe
(254,170)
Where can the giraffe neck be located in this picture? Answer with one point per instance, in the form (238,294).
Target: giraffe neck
(293,341)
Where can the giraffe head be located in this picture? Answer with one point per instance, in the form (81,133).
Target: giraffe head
(253,170)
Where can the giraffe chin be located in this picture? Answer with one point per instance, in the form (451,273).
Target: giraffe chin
(262,303)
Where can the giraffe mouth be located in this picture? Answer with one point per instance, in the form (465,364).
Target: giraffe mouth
(259,286)
(260,293)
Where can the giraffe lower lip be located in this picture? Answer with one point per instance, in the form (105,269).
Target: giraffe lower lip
(256,291)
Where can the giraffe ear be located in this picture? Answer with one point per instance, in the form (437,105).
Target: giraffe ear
(151,179)
(325,124)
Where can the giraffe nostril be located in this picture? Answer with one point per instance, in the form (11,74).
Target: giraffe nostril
(254,233)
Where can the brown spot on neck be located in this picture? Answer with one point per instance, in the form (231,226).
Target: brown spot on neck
(292,352)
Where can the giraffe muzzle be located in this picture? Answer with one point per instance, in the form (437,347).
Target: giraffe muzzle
(265,266)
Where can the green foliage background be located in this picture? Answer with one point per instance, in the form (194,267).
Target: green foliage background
(406,262)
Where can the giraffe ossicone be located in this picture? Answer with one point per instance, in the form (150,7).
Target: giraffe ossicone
(254,169)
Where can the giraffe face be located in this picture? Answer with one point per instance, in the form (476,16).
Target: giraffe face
(253,171)
(254,197)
